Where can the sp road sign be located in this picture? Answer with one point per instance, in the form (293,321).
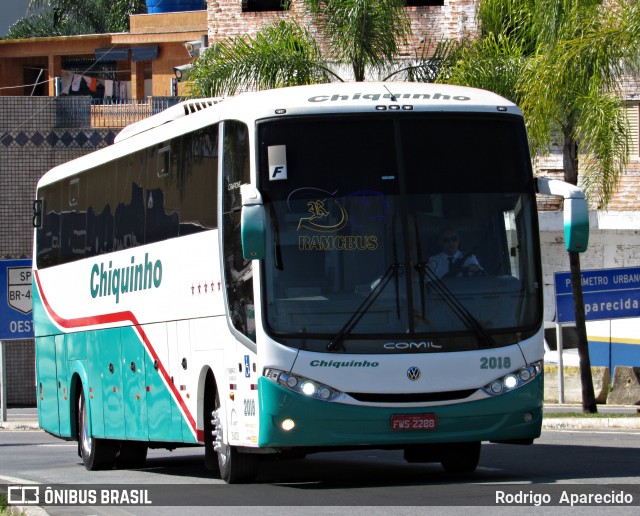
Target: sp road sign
(16,319)
(19,288)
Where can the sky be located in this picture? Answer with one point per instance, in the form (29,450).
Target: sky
(12,11)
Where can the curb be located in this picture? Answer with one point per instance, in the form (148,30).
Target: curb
(19,425)
(605,423)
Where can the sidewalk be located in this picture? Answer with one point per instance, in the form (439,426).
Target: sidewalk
(21,419)
(27,418)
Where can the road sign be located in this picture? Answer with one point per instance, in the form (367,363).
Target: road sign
(16,319)
(608,294)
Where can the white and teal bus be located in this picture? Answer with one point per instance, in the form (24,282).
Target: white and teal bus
(251,274)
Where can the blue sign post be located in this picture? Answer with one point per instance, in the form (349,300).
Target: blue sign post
(608,294)
(16,319)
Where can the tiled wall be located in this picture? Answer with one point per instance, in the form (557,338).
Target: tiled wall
(34,137)
(21,376)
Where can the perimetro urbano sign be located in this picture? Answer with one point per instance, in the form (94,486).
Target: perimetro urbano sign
(607,294)
(16,318)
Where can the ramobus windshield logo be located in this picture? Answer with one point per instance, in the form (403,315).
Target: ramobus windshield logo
(377,96)
(425,344)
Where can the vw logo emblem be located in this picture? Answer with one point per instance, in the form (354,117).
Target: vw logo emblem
(413,373)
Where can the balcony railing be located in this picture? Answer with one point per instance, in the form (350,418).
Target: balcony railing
(87,112)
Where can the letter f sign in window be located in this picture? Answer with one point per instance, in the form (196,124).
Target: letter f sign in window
(277,155)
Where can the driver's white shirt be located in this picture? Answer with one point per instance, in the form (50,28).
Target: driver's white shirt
(439,263)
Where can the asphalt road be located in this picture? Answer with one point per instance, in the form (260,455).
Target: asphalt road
(380,480)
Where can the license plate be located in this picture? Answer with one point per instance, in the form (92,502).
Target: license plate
(408,422)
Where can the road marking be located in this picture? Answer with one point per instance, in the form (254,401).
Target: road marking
(18,480)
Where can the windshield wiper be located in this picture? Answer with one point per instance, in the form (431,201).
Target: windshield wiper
(392,271)
(457,307)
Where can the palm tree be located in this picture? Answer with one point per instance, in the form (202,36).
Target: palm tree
(360,34)
(281,54)
(561,61)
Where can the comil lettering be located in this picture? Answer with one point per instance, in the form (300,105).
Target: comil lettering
(411,345)
(109,281)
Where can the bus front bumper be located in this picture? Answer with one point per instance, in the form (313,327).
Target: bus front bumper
(514,416)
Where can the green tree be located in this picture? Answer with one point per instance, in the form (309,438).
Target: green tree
(72,17)
(562,62)
(360,34)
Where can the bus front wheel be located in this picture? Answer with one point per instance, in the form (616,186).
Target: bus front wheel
(235,467)
(95,453)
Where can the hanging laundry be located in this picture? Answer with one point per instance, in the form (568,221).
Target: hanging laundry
(92,83)
(67,79)
(108,88)
(123,90)
(75,84)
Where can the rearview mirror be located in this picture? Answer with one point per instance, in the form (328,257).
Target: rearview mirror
(252,224)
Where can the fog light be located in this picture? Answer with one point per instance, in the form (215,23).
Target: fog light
(528,417)
(525,375)
(288,424)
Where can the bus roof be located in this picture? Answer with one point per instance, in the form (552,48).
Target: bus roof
(363,96)
(347,97)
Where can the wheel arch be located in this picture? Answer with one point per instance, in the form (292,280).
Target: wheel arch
(207,388)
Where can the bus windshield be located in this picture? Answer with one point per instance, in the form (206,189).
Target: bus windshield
(399,230)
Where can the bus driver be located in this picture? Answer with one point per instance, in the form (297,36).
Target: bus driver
(451,262)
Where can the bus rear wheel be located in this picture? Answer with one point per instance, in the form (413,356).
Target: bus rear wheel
(461,457)
(95,453)
(235,467)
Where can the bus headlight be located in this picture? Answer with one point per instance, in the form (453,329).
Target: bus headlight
(301,385)
(513,380)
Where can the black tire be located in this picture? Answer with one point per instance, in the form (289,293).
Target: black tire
(461,457)
(235,467)
(132,455)
(96,454)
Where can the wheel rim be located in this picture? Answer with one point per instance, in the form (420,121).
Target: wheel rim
(85,436)
(219,445)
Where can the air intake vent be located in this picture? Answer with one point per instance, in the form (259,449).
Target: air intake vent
(176,112)
(417,397)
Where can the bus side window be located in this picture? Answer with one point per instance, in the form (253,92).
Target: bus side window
(238,271)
